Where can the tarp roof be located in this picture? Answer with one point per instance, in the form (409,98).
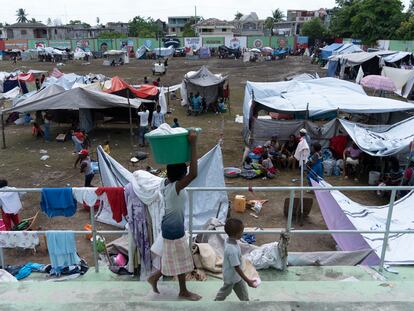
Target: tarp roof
(75,99)
(381,140)
(354,59)
(317,96)
(328,50)
(119,87)
(347,48)
(203,77)
(49,91)
(396,57)
(402,78)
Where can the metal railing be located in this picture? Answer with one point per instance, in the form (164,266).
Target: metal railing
(288,229)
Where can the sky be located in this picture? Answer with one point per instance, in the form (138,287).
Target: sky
(125,10)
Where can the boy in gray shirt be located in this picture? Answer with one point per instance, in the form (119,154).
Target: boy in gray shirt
(233,276)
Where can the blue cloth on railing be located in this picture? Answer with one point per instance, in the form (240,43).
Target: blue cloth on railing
(62,250)
(27,269)
(249,238)
(58,202)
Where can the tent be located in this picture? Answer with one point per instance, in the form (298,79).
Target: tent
(347,48)
(147,186)
(46,92)
(327,51)
(141,52)
(402,78)
(116,57)
(209,85)
(164,52)
(342,213)
(398,57)
(313,97)
(74,99)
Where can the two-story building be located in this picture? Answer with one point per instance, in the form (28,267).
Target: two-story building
(214,27)
(176,24)
(27,31)
(249,25)
(119,27)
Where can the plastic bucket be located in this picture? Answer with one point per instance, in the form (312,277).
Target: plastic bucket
(373,178)
(170,149)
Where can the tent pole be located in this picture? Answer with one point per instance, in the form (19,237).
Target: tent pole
(168,99)
(2,130)
(130,122)
(301,193)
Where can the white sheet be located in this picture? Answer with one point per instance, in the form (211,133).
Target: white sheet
(402,78)
(400,248)
(381,140)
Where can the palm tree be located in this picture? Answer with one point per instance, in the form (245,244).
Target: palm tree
(21,16)
(277,16)
(237,16)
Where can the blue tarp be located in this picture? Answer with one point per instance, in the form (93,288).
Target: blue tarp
(327,50)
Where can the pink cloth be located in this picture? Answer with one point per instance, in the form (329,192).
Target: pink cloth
(176,257)
(354,153)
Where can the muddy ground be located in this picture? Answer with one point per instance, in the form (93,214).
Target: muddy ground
(21,165)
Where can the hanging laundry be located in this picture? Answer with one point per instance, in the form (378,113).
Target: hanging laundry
(137,222)
(116,199)
(62,250)
(58,202)
(23,239)
(85,195)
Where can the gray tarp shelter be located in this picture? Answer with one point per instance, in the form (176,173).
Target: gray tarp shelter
(313,97)
(209,85)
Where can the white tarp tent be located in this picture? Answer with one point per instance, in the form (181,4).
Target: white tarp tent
(381,140)
(399,249)
(206,204)
(164,52)
(396,57)
(75,99)
(317,96)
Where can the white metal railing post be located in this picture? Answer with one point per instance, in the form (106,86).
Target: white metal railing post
(290,211)
(94,248)
(387,230)
(190,218)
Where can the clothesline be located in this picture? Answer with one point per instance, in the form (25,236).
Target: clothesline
(71,231)
(41,189)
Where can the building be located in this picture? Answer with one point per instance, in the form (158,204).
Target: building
(176,24)
(119,27)
(249,25)
(3,33)
(296,18)
(214,27)
(27,31)
(162,26)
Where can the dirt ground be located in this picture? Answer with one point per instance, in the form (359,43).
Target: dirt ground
(21,165)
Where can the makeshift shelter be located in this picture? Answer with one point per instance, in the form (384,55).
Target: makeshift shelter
(116,57)
(327,51)
(141,52)
(206,204)
(342,213)
(164,52)
(396,60)
(402,78)
(308,98)
(209,85)
(81,99)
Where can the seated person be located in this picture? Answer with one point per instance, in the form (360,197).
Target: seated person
(274,150)
(288,150)
(250,170)
(394,177)
(352,159)
(221,105)
(268,169)
(314,164)
(408,177)
(190,104)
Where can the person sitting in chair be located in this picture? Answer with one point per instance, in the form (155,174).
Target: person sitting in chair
(352,160)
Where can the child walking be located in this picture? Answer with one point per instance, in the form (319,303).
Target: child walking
(176,258)
(233,276)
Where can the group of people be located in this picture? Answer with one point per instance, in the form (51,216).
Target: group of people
(198,104)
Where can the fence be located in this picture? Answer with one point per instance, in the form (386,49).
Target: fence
(288,229)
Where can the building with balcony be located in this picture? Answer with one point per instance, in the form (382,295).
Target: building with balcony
(249,25)
(176,24)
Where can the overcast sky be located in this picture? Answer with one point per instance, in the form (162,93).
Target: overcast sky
(124,10)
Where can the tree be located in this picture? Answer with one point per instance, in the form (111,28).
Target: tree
(143,27)
(237,16)
(98,20)
(111,35)
(33,20)
(376,20)
(368,20)
(75,22)
(188,29)
(406,30)
(21,16)
(277,16)
(49,21)
(314,29)
(410,9)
